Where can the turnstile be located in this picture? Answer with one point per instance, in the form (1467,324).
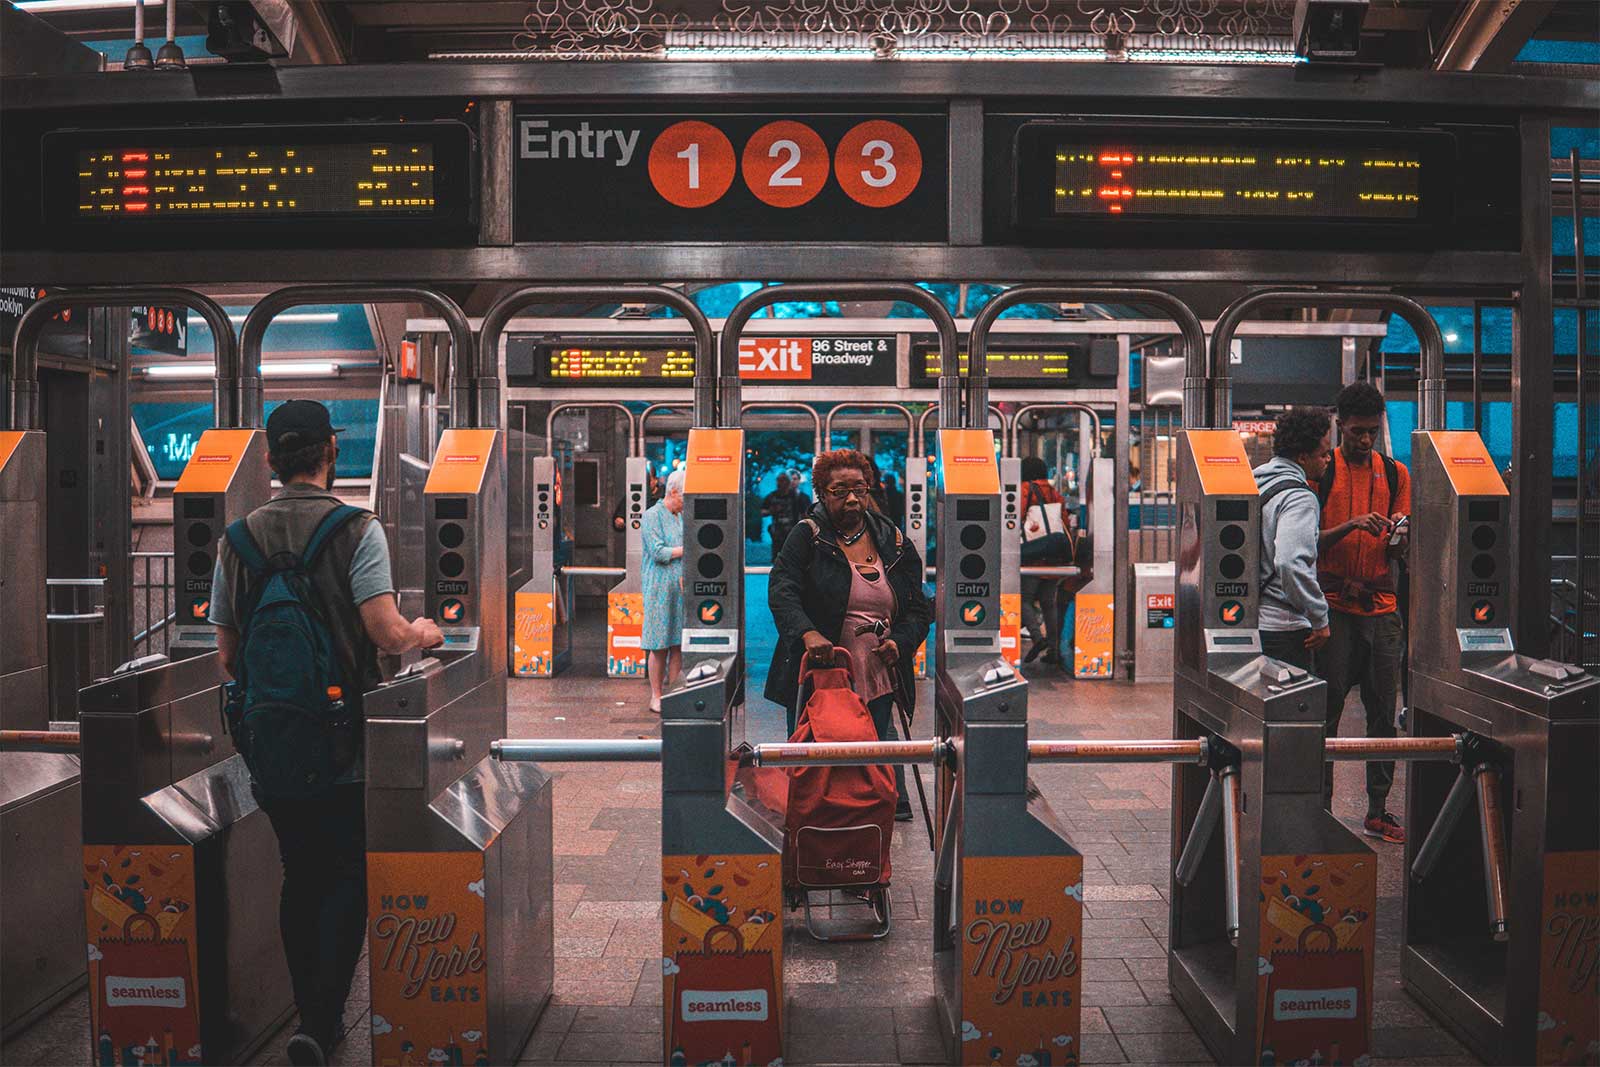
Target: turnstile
(541,644)
(1502,913)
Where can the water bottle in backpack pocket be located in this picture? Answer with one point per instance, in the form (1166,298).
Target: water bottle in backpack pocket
(287,712)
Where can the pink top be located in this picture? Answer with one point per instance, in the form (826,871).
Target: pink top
(870,601)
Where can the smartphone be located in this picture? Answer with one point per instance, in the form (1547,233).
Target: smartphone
(1399,528)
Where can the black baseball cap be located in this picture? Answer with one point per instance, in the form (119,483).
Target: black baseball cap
(297,423)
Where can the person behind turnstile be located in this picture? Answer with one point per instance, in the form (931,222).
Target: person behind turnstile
(785,506)
(848,577)
(662,580)
(321,831)
(1046,542)
(1364,496)
(1294,613)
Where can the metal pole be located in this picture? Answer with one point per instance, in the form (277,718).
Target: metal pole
(463,370)
(780,405)
(1477,366)
(1456,804)
(500,314)
(1414,749)
(1581,579)
(1430,389)
(1118,751)
(39,741)
(1232,806)
(1205,825)
(24,405)
(847,753)
(1194,336)
(577,750)
(1492,832)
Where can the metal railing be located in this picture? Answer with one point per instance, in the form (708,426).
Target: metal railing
(1575,611)
(154,603)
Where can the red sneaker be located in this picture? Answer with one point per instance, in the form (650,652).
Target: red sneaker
(1385,826)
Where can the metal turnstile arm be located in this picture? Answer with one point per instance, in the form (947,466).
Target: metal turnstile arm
(1478,782)
(1205,825)
(577,750)
(39,741)
(1232,810)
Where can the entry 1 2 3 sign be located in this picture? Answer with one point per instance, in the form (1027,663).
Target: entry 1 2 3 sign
(726,176)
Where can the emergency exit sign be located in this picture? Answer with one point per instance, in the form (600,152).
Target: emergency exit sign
(597,175)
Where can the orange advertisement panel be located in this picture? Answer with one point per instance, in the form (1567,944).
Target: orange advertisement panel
(1021,933)
(1569,959)
(1011,627)
(1314,974)
(714,462)
(461,461)
(216,457)
(144,1001)
(1220,458)
(9,440)
(1094,618)
(428,953)
(533,648)
(967,463)
(1467,461)
(625,656)
(722,959)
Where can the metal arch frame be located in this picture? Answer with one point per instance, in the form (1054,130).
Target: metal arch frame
(1430,388)
(499,315)
(1045,405)
(644,417)
(463,373)
(927,413)
(568,405)
(788,405)
(1183,316)
(944,323)
(24,386)
(868,406)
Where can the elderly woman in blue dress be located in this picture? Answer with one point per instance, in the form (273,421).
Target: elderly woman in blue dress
(662,534)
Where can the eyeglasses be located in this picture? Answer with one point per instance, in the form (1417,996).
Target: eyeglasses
(844,492)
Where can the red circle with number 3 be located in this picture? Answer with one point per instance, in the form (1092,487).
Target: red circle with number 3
(878,163)
(691,164)
(785,164)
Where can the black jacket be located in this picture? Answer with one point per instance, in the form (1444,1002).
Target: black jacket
(810,590)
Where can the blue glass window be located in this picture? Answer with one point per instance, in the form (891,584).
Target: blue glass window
(171,430)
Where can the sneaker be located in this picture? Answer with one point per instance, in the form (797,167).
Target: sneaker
(1385,826)
(902,814)
(304,1051)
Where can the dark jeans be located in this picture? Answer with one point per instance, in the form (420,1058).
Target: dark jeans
(1364,651)
(322,914)
(882,710)
(1288,646)
(1038,606)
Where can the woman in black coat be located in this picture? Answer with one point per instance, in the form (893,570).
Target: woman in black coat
(846,576)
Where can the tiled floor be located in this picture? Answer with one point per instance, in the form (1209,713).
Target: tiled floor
(861,1002)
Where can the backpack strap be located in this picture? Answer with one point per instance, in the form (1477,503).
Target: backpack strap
(331,523)
(1282,485)
(1325,483)
(243,543)
(1391,474)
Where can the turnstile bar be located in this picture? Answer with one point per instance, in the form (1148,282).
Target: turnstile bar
(846,753)
(39,741)
(577,750)
(1231,813)
(1118,751)
(1493,832)
(1205,825)
(1442,749)
(594,572)
(1456,803)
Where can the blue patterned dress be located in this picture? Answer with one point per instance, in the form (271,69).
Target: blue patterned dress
(661,532)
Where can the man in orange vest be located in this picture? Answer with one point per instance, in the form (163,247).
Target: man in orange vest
(1365,495)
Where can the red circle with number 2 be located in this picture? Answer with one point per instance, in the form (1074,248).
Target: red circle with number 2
(878,163)
(691,164)
(785,163)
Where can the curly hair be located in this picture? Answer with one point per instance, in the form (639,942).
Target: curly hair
(293,462)
(1300,432)
(1358,400)
(841,459)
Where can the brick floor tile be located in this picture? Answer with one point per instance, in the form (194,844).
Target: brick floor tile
(1160,1019)
(1101,1048)
(1184,1047)
(637,1020)
(1110,994)
(1122,948)
(606,1047)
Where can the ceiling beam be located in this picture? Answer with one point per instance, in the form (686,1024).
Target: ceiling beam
(1488,34)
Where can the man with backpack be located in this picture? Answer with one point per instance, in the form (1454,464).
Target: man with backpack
(1366,504)
(1294,613)
(1045,543)
(303,601)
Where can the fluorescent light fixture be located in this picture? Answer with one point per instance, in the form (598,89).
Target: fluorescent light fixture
(282,368)
(50,7)
(300,317)
(1452,337)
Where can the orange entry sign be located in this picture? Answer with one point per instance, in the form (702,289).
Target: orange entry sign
(1468,463)
(967,461)
(461,461)
(1220,458)
(9,440)
(216,457)
(714,461)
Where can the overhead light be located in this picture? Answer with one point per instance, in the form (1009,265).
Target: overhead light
(49,7)
(282,368)
(1452,337)
(291,317)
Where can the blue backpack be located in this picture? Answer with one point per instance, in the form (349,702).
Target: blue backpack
(288,710)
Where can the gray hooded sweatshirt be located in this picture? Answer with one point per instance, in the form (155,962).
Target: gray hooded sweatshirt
(1291,599)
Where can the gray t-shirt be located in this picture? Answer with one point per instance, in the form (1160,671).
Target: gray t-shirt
(369,576)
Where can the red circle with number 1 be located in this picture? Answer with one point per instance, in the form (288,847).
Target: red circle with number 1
(878,163)
(785,163)
(691,164)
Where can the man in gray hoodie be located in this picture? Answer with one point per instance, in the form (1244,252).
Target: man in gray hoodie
(1294,614)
